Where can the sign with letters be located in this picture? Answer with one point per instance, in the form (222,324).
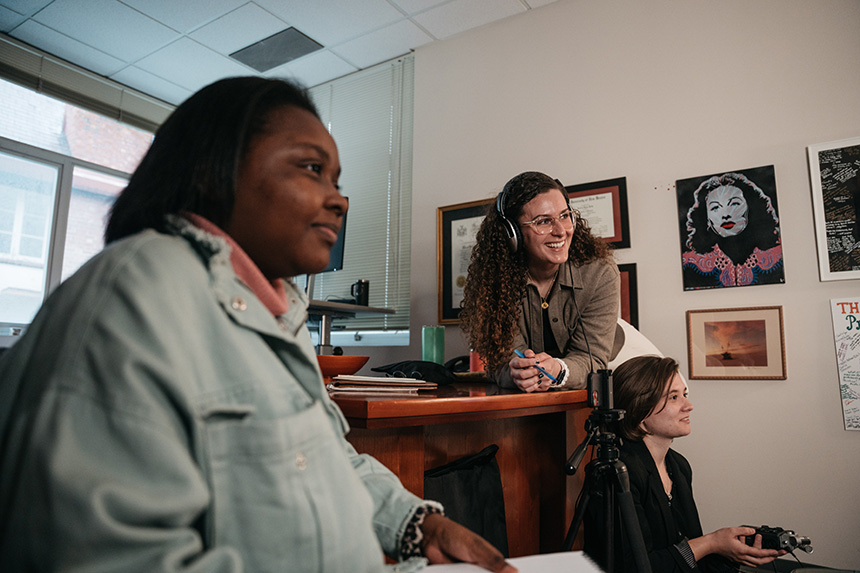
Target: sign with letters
(846,334)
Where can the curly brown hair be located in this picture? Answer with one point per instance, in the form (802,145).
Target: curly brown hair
(496,280)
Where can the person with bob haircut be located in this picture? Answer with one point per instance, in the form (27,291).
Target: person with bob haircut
(542,284)
(654,397)
(165,410)
(732,235)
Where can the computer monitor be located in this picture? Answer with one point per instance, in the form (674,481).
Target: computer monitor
(335,262)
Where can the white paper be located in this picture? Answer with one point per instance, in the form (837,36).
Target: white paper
(565,562)
(463,233)
(598,210)
(393,380)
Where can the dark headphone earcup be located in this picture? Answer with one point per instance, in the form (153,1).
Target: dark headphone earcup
(512,231)
(512,234)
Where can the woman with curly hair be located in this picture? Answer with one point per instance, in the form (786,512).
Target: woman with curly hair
(732,235)
(540,283)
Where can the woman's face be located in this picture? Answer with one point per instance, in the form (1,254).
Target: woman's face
(288,209)
(672,420)
(727,211)
(550,249)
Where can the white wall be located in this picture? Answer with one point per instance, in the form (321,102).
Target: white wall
(657,91)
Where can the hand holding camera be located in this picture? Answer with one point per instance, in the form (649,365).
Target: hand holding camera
(779,538)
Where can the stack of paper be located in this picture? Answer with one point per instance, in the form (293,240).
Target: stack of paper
(379,384)
(566,562)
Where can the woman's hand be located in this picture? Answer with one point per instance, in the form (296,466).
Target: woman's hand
(448,542)
(527,377)
(729,542)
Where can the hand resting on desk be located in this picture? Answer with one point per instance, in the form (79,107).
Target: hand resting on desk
(448,542)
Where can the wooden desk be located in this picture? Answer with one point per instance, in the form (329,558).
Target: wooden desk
(535,433)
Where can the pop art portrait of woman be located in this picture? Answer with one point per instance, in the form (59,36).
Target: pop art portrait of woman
(730,229)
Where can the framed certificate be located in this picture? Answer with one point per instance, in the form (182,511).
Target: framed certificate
(456,229)
(604,205)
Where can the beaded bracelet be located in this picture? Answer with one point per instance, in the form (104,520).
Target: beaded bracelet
(413,535)
(562,375)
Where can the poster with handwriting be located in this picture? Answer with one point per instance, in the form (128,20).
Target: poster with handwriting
(840,187)
(846,334)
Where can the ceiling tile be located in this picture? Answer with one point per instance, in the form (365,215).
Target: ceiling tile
(538,3)
(26,7)
(172,63)
(9,19)
(415,6)
(332,22)
(147,83)
(239,29)
(118,30)
(71,50)
(384,44)
(171,48)
(313,69)
(461,15)
(184,15)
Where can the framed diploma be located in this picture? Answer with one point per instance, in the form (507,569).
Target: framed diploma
(456,229)
(604,205)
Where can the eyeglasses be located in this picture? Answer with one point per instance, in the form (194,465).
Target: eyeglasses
(400,374)
(544,224)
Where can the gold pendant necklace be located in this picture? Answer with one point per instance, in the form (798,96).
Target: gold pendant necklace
(544,304)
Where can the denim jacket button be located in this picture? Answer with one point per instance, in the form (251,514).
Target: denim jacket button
(301,461)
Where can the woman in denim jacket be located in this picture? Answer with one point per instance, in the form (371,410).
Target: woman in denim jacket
(165,410)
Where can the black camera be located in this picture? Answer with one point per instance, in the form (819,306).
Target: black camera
(600,390)
(779,538)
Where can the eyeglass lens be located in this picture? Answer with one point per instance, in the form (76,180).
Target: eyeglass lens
(544,225)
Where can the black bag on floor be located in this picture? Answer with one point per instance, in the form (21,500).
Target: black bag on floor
(471,491)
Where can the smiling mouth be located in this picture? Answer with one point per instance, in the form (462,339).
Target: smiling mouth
(333,228)
(558,245)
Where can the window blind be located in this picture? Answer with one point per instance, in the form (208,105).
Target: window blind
(41,72)
(369,114)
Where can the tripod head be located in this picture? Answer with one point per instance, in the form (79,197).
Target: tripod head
(598,435)
(600,423)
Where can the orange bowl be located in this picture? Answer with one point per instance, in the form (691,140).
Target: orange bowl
(332,366)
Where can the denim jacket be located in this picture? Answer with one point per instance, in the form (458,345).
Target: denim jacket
(156,417)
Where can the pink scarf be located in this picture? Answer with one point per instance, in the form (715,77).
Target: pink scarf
(271,293)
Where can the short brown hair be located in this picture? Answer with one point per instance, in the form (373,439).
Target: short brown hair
(638,386)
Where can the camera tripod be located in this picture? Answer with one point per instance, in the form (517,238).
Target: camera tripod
(607,474)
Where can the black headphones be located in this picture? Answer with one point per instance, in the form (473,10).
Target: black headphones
(513,234)
(512,230)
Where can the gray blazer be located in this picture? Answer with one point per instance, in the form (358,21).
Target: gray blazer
(593,289)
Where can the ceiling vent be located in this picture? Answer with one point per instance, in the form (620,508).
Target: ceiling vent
(276,50)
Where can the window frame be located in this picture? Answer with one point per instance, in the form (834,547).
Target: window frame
(59,225)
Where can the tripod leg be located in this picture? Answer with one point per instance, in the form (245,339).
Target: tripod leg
(631,523)
(609,526)
(578,515)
